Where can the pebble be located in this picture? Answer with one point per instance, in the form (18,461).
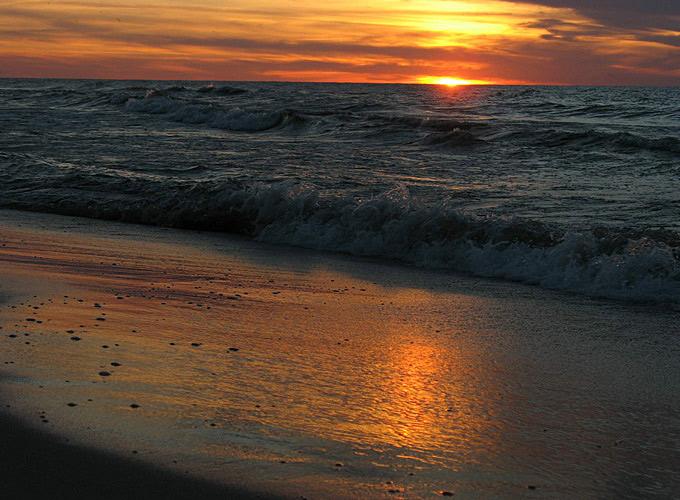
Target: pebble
(104,374)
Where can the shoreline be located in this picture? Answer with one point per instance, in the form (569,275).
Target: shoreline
(275,369)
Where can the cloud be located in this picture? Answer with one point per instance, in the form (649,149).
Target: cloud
(643,15)
(536,41)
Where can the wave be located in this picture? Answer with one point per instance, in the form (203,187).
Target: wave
(222,90)
(637,265)
(454,138)
(621,140)
(443,132)
(235,119)
(427,123)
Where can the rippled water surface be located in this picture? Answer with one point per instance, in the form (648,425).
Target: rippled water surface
(573,188)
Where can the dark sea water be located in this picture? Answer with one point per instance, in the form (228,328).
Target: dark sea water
(573,188)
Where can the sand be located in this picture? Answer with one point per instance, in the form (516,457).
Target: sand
(36,465)
(226,363)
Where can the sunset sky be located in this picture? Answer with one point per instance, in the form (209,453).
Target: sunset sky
(597,42)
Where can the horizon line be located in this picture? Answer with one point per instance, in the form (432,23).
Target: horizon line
(487,84)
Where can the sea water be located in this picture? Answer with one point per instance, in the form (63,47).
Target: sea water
(572,188)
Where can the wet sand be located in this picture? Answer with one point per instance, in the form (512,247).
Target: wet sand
(36,465)
(287,372)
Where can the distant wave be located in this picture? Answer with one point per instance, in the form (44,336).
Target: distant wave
(236,118)
(440,132)
(622,140)
(427,123)
(455,137)
(223,90)
(640,265)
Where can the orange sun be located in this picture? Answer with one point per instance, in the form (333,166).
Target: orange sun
(445,80)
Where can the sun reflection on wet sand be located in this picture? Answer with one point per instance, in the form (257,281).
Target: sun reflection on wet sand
(290,373)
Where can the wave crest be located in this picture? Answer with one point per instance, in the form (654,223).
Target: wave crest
(235,119)
(620,140)
(638,265)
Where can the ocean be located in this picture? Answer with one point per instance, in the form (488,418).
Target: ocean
(246,340)
(567,188)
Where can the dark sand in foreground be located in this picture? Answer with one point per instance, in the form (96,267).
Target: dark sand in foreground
(37,465)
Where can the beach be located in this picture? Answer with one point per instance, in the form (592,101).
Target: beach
(227,363)
(38,465)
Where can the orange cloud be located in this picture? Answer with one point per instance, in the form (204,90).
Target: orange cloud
(372,40)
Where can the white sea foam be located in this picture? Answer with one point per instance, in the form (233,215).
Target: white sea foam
(395,226)
(630,265)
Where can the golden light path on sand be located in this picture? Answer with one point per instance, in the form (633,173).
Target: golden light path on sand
(273,379)
(298,373)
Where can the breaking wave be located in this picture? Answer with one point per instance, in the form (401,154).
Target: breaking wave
(637,265)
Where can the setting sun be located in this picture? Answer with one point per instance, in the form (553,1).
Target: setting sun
(376,249)
(452,82)
(490,41)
